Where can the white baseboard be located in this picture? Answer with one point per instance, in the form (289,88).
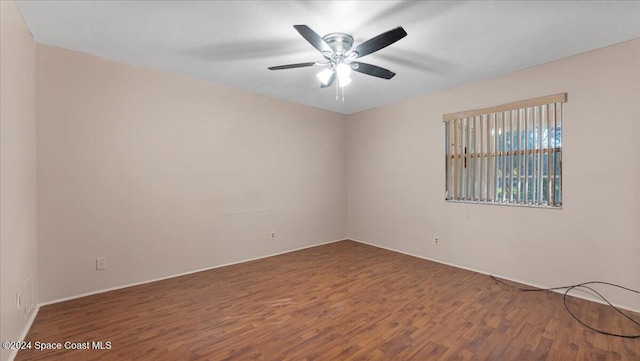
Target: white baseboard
(24,333)
(180,274)
(585,296)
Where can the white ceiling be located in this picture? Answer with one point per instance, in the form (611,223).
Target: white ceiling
(233,42)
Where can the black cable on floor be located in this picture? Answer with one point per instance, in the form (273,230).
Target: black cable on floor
(577,286)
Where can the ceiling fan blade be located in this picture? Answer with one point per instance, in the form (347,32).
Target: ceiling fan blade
(331,80)
(372,70)
(313,38)
(291,66)
(381,41)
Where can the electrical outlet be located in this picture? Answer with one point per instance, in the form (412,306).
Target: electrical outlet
(101,264)
(436,240)
(273,235)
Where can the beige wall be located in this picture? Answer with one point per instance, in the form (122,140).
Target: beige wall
(18,237)
(164,175)
(396,179)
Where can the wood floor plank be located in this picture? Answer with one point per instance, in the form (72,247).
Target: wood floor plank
(342,301)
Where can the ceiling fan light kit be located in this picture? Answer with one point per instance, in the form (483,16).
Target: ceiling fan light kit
(340,55)
(324,76)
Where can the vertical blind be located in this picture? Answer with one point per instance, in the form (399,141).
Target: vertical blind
(508,154)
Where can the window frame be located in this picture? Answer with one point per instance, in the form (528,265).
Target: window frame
(487,149)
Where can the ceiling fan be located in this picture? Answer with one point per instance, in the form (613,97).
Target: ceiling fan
(340,55)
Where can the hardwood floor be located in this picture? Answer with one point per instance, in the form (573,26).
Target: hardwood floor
(342,301)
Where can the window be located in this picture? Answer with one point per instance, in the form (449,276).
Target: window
(508,154)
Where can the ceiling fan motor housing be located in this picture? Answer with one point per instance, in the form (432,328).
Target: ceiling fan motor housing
(340,43)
